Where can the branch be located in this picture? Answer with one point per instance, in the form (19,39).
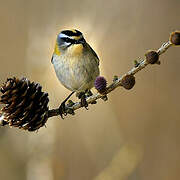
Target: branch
(26,105)
(118,82)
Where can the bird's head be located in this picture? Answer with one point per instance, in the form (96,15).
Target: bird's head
(67,39)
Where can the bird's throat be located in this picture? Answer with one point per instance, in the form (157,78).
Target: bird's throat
(76,50)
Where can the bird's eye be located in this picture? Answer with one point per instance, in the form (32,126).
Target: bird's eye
(66,39)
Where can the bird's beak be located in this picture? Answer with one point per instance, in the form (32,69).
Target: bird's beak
(80,41)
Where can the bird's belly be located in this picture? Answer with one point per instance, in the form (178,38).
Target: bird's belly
(76,75)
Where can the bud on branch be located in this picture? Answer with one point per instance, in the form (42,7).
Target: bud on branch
(26,105)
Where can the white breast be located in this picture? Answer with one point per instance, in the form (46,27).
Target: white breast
(76,75)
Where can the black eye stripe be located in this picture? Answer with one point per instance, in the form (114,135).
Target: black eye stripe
(72,41)
(71,33)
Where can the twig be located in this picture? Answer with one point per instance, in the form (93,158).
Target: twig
(118,82)
(26,105)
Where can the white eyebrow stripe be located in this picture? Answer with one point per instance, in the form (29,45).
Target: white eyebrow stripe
(61,35)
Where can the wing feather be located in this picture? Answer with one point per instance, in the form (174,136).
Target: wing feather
(94,53)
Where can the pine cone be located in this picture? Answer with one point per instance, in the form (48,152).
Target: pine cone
(26,106)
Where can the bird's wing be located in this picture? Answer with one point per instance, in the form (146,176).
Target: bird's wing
(94,53)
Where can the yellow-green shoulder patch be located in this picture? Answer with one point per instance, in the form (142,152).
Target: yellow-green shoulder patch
(56,49)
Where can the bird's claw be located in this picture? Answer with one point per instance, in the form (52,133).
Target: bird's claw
(62,110)
(89,93)
(83,101)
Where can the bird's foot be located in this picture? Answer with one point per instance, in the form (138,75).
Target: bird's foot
(62,110)
(82,97)
(69,109)
(89,93)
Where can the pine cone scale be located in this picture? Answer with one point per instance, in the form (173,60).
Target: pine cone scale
(26,106)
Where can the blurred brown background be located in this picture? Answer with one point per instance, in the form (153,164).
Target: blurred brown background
(133,136)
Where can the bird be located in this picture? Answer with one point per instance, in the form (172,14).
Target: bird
(76,65)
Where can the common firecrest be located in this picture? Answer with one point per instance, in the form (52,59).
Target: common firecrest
(76,65)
